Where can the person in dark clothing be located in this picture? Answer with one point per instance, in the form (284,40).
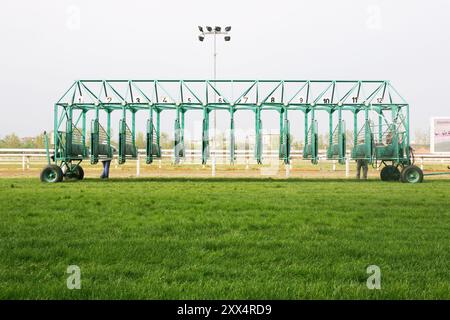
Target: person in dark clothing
(106,163)
(362,164)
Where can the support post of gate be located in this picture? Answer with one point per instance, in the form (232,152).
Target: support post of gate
(133,130)
(281,138)
(330,130)
(380,125)
(177,139)
(232,137)
(258,142)
(158,128)
(355,127)
(205,136)
(287,139)
(108,132)
(149,142)
(182,134)
(84,131)
(69,132)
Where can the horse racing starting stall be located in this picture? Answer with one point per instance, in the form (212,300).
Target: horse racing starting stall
(380,128)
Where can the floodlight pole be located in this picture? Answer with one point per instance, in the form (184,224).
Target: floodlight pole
(215,115)
(214,31)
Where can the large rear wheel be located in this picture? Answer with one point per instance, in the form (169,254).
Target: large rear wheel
(52,173)
(412,174)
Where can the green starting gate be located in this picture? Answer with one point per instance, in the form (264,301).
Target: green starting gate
(380,120)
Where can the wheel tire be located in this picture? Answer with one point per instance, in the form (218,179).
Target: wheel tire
(76,173)
(79,173)
(52,173)
(412,174)
(390,173)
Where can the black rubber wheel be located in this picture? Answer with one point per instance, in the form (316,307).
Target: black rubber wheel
(412,174)
(79,173)
(390,173)
(76,172)
(52,173)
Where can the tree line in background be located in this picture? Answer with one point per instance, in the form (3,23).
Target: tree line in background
(421,138)
(14,141)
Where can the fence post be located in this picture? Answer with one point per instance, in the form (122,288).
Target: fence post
(347,167)
(138,166)
(23,162)
(213,167)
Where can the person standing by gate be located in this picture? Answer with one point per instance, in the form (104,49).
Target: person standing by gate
(106,164)
(362,164)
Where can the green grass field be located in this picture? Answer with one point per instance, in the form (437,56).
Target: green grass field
(220,239)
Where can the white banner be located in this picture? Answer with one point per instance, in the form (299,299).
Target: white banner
(440,135)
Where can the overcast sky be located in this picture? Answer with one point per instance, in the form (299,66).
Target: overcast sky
(47,44)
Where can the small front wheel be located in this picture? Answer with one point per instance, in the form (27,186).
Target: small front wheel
(72,171)
(412,174)
(52,173)
(390,173)
(79,173)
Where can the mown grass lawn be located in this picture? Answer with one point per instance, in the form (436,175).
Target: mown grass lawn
(224,239)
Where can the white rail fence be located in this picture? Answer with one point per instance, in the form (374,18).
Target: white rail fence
(24,158)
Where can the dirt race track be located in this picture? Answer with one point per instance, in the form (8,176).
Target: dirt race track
(275,170)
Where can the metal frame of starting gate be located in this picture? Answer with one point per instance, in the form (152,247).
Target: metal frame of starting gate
(386,139)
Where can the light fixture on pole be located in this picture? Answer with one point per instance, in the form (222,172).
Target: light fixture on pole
(214,32)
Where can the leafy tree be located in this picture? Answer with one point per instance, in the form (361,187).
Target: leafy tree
(165,141)
(11,141)
(140,140)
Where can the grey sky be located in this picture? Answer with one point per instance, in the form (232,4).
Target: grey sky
(43,48)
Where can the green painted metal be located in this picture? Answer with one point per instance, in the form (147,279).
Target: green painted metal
(205,136)
(311,147)
(372,97)
(127,142)
(258,136)
(285,142)
(337,144)
(179,137)
(232,138)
